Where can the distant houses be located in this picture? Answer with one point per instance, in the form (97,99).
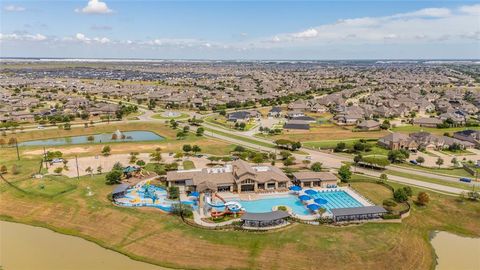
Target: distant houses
(297,124)
(368,125)
(431,122)
(422,140)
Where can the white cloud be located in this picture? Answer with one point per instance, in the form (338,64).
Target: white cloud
(14,8)
(426,12)
(309,33)
(83,38)
(23,37)
(95,7)
(424,25)
(471,10)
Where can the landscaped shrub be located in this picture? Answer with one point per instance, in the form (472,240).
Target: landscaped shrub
(282,208)
(183,210)
(113,177)
(173,193)
(389,203)
(400,195)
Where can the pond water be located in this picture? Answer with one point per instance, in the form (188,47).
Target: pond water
(456,252)
(24,247)
(129,136)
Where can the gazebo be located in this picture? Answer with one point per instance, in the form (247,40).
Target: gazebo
(264,220)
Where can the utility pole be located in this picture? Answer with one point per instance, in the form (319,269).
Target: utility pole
(45,157)
(16,145)
(78,173)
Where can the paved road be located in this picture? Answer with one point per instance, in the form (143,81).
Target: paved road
(329,160)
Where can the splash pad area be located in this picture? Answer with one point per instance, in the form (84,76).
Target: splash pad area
(144,194)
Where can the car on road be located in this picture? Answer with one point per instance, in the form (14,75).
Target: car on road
(465,179)
(414,162)
(40,127)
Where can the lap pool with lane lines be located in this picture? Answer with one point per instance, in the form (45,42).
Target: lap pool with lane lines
(335,199)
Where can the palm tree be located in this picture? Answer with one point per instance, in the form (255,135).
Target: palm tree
(321,211)
(89,170)
(99,169)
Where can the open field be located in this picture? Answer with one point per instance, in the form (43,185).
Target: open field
(149,235)
(328,132)
(221,121)
(430,180)
(436,131)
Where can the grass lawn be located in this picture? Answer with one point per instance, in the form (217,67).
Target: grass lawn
(430,180)
(48,186)
(331,144)
(221,121)
(437,131)
(188,165)
(460,172)
(160,116)
(152,236)
(241,138)
(456,153)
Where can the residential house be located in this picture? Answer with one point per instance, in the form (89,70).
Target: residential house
(368,125)
(397,141)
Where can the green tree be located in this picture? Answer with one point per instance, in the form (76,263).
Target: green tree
(156,155)
(187,148)
(117,166)
(113,177)
(400,195)
(196,149)
(345,173)
(454,161)
(439,162)
(383,177)
(140,163)
(106,150)
(289,161)
(396,156)
(200,131)
(316,166)
(420,160)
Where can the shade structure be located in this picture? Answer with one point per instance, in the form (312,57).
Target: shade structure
(194,194)
(295,188)
(313,207)
(304,197)
(311,192)
(321,201)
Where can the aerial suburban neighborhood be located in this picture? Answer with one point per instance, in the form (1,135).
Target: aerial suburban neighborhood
(158,138)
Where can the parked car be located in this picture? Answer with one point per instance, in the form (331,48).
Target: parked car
(466,180)
(414,162)
(57,160)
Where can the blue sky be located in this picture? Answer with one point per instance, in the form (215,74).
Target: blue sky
(241,29)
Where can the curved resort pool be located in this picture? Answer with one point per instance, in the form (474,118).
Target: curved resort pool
(335,199)
(130,136)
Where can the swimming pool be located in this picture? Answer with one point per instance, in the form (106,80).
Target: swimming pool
(335,199)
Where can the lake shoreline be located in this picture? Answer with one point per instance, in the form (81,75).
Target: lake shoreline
(92,240)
